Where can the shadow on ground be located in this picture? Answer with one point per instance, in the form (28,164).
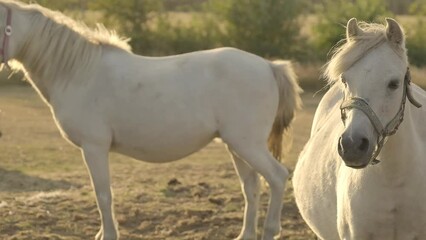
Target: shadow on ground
(16,181)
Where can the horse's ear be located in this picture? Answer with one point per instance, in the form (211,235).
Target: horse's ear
(394,32)
(352,29)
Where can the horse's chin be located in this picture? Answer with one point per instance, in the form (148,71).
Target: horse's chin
(359,163)
(361,166)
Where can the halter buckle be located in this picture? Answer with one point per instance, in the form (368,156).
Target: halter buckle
(8,30)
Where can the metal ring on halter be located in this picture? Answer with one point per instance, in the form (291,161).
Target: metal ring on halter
(8,30)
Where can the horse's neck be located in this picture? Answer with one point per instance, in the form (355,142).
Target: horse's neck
(28,55)
(400,152)
(49,70)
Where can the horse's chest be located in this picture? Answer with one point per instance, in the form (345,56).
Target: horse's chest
(395,213)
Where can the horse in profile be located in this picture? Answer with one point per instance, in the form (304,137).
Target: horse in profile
(157,109)
(362,174)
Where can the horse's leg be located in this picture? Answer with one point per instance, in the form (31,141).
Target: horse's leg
(96,159)
(260,159)
(250,185)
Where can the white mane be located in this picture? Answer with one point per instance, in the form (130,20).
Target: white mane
(357,47)
(59,47)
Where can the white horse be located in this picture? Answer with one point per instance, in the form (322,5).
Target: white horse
(339,194)
(105,98)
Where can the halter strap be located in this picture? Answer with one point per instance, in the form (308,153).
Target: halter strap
(6,36)
(391,128)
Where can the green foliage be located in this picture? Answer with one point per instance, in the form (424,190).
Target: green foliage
(132,17)
(183,5)
(203,32)
(416,44)
(265,27)
(418,7)
(153,31)
(268,27)
(416,35)
(334,14)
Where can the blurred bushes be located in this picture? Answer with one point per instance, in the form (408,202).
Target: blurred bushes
(132,17)
(334,14)
(416,35)
(200,31)
(269,28)
(416,43)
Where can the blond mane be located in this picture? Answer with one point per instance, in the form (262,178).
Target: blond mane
(352,50)
(59,47)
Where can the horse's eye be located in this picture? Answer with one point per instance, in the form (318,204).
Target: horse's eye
(394,84)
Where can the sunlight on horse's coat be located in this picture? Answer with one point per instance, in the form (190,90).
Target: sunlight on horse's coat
(156,109)
(338,193)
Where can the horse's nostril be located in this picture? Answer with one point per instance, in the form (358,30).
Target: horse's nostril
(364,144)
(340,148)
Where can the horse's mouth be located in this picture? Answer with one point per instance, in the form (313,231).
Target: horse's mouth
(351,165)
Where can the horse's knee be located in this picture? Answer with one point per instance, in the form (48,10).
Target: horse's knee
(251,182)
(283,172)
(278,178)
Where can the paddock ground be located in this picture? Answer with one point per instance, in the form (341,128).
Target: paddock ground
(45,192)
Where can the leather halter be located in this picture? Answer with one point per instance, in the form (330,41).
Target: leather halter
(6,36)
(391,128)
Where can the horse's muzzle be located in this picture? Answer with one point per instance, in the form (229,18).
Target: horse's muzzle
(355,151)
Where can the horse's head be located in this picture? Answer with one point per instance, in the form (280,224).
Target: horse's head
(7,33)
(375,80)
(16,22)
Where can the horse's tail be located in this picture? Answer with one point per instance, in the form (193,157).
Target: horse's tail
(289,102)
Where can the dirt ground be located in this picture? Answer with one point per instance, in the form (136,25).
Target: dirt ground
(45,192)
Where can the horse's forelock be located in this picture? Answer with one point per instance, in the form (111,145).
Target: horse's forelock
(352,50)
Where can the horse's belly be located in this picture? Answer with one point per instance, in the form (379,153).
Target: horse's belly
(159,148)
(156,155)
